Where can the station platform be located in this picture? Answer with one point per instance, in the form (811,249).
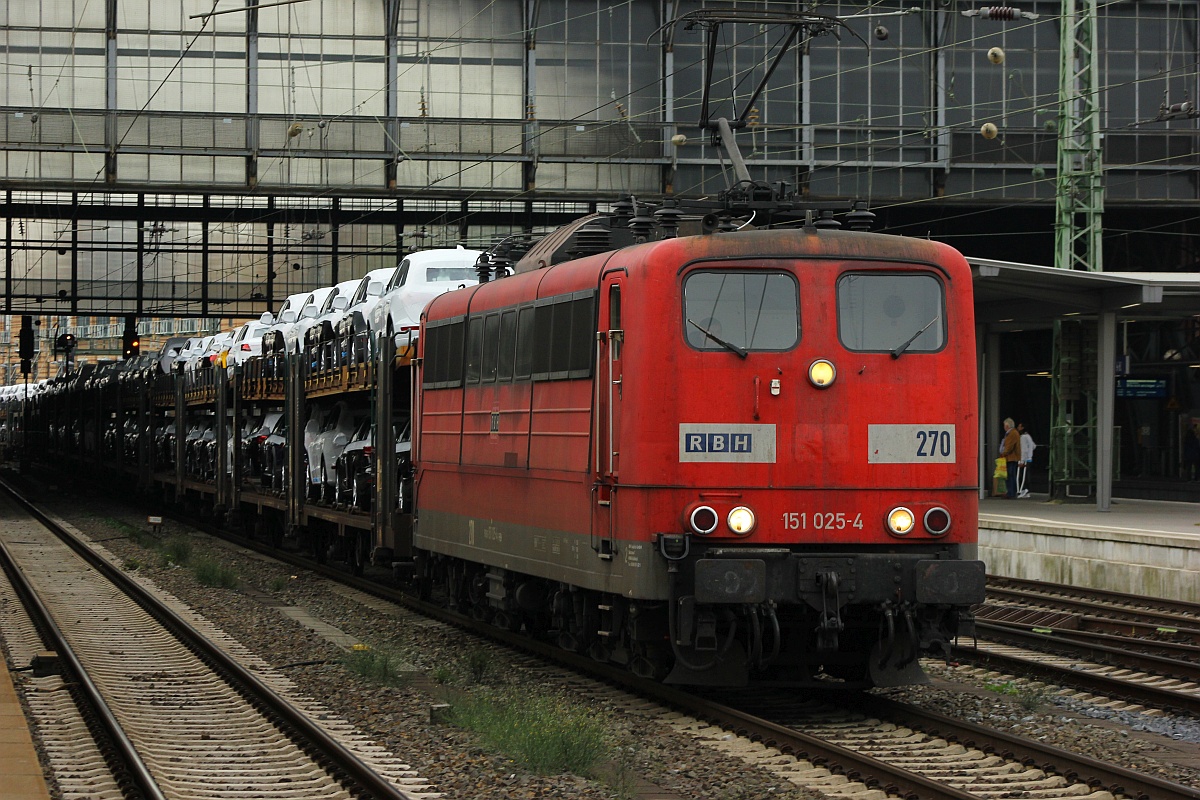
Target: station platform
(19,763)
(1145,547)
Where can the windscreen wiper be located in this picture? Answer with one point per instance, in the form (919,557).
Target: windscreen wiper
(727,345)
(896,353)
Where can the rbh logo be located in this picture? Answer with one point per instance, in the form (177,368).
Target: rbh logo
(718,443)
(726,442)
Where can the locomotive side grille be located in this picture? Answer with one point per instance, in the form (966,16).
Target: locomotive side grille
(589,241)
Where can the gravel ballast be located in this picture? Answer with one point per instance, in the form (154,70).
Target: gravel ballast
(643,748)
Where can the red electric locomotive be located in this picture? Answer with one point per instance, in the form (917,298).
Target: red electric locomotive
(717,458)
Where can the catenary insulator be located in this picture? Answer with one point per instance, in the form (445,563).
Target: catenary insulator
(999,12)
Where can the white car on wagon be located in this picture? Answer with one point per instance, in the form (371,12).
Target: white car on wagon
(419,278)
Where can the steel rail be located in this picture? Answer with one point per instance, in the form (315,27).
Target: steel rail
(1181,658)
(1062,621)
(1101,684)
(1086,607)
(129,759)
(1162,608)
(312,736)
(1074,767)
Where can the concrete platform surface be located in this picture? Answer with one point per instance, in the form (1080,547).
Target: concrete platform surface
(1143,547)
(1148,516)
(20,771)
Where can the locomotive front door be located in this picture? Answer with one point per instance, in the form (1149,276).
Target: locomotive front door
(607,407)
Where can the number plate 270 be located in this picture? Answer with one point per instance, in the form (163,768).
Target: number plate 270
(910,444)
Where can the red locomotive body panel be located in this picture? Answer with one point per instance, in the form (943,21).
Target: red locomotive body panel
(822,464)
(615,410)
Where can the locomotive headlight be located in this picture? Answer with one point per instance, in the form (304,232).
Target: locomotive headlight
(937,521)
(900,521)
(821,373)
(703,520)
(741,520)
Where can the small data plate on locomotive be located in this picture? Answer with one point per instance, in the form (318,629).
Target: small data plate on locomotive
(910,444)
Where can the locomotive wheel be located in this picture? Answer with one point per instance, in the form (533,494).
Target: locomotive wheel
(476,590)
(507,620)
(651,660)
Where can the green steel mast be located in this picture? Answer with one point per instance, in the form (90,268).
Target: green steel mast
(1079,204)
(1080,197)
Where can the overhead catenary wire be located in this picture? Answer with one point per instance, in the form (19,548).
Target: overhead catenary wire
(444,177)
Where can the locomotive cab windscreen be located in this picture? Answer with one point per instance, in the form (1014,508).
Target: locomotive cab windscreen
(742,311)
(891,312)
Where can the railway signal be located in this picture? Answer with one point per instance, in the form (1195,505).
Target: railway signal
(25,344)
(130,345)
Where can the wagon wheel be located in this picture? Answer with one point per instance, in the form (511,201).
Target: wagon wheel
(360,552)
(320,545)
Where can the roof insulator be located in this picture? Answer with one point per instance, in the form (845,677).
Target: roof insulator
(860,219)
(827,221)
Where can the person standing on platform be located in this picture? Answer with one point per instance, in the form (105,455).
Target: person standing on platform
(1027,446)
(1010,449)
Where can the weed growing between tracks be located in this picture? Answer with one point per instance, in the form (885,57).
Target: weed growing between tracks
(478,662)
(136,535)
(1028,697)
(376,666)
(177,550)
(210,572)
(543,733)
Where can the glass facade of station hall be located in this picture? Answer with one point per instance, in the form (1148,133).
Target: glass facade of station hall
(217,162)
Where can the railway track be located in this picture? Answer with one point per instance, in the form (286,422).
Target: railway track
(190,719)
(1079,599)
(907,752)
(979,760)
(1118,645)
(840,748)
(87,763)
